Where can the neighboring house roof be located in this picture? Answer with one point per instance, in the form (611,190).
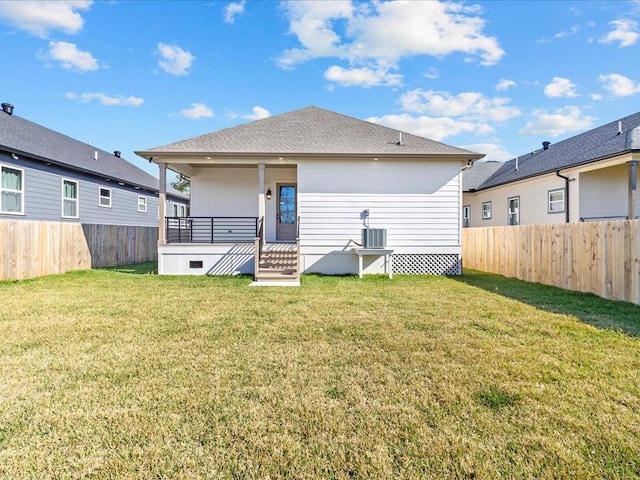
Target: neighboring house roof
(310,131)
(591,146)
(28,139)
(475,176)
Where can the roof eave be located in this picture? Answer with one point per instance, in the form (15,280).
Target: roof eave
(213,157)
(554,170)
(78,169)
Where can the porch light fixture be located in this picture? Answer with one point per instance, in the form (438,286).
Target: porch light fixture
(269,193)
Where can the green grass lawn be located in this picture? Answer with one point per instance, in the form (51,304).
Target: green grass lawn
(123,374)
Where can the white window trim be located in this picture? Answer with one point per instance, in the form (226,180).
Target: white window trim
(490,211)
(466,215)
(509,212)
(142,207)
(63,198)
(100,197)
(22,198)
(557,190)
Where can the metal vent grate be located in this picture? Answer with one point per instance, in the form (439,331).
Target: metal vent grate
(430,264)
(374,237)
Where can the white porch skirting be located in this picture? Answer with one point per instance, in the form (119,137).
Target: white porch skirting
(235,259)
(206,259)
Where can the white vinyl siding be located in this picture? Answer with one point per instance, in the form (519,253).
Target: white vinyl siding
(225,192)
(104,197)
(555,201)
(11,190)
(604,194)
(417,202)
(533,193)
(142,204)
(70,199)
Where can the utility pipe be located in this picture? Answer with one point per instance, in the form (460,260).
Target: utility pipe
(566,195)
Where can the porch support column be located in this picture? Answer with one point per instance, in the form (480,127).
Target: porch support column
(261,190)
(162,237)
(633,189)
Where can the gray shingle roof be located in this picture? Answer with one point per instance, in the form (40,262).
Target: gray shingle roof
(597,144)
(475,176)
(310,130)
(20,136)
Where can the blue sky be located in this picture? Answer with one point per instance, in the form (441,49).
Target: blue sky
(496,77)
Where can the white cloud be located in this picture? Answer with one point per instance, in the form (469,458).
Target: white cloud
(431,127)
(363,77)
(311,23)
(559,122)
(619,85)
(197,111)
(70,57)
(432,73)
(492,151)
(471,106)
(175,60)
(109,101)
(40,17)
(257,113)
(386,32)
(505,84)
(232,10)
(626,32)
(560,87)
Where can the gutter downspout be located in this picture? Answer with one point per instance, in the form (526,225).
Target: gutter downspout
(566,198)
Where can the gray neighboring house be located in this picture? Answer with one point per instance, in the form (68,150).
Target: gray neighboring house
(48,176)
(592,176)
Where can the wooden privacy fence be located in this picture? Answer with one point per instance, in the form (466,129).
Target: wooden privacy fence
(602,258)
(32,249)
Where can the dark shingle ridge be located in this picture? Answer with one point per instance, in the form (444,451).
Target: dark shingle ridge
(310,130)
(591,146)
(25,138)
(475,176)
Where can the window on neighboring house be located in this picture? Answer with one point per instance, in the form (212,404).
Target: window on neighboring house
(11,190)
(513,207)
(142,203)
(556,201)
(179,210)
(70,190)
(104,199)
(486,210)
(466,215)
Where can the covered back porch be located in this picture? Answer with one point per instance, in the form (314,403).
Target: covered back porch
(238,211)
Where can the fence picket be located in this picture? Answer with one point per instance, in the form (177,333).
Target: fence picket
(602,258)
(31,249)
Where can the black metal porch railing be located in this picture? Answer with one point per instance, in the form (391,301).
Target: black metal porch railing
(211,229)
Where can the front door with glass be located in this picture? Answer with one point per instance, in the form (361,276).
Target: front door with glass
(286,215)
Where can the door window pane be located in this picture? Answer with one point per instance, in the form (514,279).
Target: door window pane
(287,198)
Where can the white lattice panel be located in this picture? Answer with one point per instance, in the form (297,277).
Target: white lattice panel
(431,264)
